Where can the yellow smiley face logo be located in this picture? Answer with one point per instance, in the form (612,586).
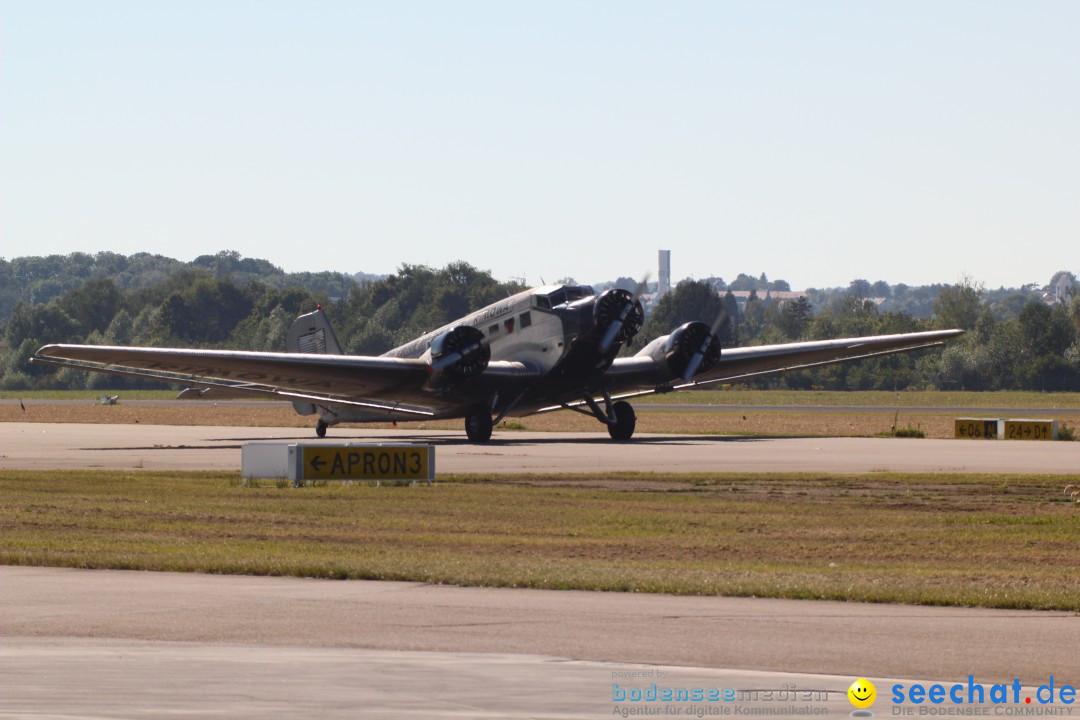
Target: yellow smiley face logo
(862,693)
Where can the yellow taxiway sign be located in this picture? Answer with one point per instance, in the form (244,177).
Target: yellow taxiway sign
(368,462)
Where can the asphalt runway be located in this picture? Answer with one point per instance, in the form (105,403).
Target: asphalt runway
(97,644)
(168,447)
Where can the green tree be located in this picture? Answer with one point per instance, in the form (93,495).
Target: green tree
(42,324)
(859,288)
(753,318)
(880,289)
(1045,335)
(120,329)
(1044,330)
(744,282)
(147,327)
(794,317)
(690,300)
(416,300)
(374,339)
(93,304)
(265,332)
(959,306)
(207,311)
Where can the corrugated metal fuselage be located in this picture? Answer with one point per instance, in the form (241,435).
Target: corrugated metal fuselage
(522,328)
(533,330)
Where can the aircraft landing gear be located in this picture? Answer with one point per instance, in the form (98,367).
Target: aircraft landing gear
(622,421)
(320,428)
(618,416)
(478,424)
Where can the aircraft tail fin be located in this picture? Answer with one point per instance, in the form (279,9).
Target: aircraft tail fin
(312,334)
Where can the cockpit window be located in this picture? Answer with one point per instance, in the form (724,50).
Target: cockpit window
(562,296)
(577,292)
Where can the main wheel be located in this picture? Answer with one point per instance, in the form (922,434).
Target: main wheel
(320,428)
(625,421)
(478,425)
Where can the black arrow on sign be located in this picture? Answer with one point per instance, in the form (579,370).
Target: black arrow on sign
(317,463)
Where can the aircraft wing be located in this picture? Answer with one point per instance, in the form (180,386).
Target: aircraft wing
(383,383)
(642,375)
(403,386)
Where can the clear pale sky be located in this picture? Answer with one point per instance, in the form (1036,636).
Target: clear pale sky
(819,142)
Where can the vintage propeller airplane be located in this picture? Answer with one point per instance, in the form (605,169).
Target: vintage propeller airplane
(550,348)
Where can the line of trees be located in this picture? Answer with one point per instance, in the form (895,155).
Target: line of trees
(1016,340)
(1010,345)
(204,304)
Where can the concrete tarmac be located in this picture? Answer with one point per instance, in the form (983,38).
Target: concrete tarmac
(93,644)
(167,447)
(106,644)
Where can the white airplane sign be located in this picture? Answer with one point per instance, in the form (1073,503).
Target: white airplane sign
(550,348)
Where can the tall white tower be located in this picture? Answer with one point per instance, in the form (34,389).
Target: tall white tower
(664,284)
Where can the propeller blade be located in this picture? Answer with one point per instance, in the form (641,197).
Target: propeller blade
(699,356)
(444,362)
(616,327)
(721,318)
(609,336)
(695,363)
(643,285)
(440,365)
(452,358)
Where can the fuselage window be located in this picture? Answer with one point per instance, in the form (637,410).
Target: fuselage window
(525,319)
(493,329)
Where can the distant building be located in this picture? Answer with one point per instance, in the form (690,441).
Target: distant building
(664,284)
(1061,289)
(769,297)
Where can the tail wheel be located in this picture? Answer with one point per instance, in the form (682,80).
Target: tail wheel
(478,425)
(622,413)
(320,428)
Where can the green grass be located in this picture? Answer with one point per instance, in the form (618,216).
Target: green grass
(907,431)
(991,541)
(86,394)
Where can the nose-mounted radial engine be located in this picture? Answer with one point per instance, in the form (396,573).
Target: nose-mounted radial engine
(602,325)
(617,316)
(693,348)
(459,353)
(596,328)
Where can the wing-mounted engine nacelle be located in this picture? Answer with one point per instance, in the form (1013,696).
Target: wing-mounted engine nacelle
(460,353)
(617,316)
(690,350)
